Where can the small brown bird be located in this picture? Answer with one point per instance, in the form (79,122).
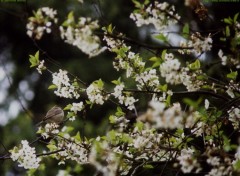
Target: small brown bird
(54,115)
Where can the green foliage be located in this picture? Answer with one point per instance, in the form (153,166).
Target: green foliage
(195,65)
(185,31)
(232,75)
(34,59)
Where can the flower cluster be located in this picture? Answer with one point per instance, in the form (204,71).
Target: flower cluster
(81,35)
(222,57)
(147,78)
(73,151)
(169,118)
(220,166)
(70,147)
(161,15)
(26,156)
(234,116)
(128,61)
(112,43)
(95,93)
(41,67)
(199,43)
(187,161)
(104,158)
(64,87)
(170,69)
(74,108)
(190,79)
(41,22)
(147,139)
(77,107)
(50,129)
(125,59)
(124,98)
(174,74)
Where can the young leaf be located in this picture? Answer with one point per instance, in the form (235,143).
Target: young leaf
(235,17)
(227,31)
(163,54)
(53,86)
(186,31)
(232,75)
(161,37)
(195,65)
(34,60)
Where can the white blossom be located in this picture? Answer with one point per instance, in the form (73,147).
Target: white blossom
(187,161)
(206,104)
(214,161)
(64,87)
(147,78)
(26,156)
(77,107)
(118,91)
(94,94)
(81,35)
(171,117)
(200,44)
(41,67)
(158,15)
(170,69)
(222,57)
(41,21)
(129,102)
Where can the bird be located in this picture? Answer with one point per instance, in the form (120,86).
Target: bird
(54,115)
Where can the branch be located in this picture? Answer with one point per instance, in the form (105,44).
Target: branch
(154,47)
(204,92)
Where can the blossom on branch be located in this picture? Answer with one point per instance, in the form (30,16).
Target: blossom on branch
(41,22)
(25,155)
(161,15)
(81,35)
(64,87)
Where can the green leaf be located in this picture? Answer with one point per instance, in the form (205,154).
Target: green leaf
(186,31)
(34,60)
(68,107)
(236,166)
(232,75)
(99,83)
(137,4)
(139,126)
(148,166)
(119,112)
(112,135)
(117,82)
(112,119)
(70,114)
(110,29)
(51,147)
(163,54)
(163,88)
(168,100)
(228,20)
(154,59)
(192,103)
(235,17)
(53,86)
(195,65)
(227,31)
(126,138)
(78,137)
(161,37)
